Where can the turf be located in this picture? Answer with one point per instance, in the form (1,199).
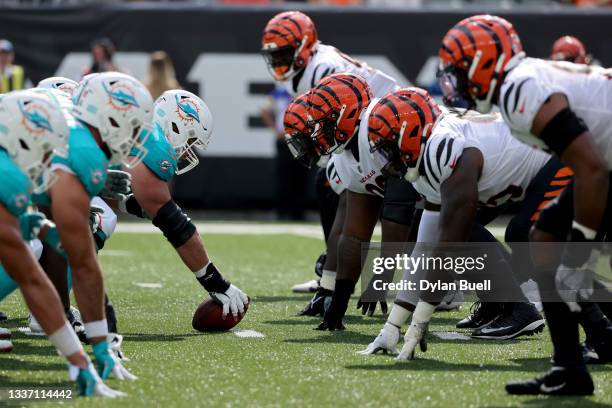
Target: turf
(293,365)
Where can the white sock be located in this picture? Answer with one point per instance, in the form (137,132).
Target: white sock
(99,328)
(66,341)
(328,280)
(202,272)
(398,316)
(423,312)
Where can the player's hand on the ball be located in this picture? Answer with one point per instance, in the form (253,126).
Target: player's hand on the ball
(90,384)
(318,304)
(414,336)
(118,185)
(108,364)
(370,307)
(232,300)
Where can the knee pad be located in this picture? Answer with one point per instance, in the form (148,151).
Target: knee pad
(174,224)
(399,213)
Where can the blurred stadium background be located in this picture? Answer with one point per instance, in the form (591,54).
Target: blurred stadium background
(213,46)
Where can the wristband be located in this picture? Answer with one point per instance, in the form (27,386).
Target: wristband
(213,281)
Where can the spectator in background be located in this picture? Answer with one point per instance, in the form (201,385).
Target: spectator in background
(290,175)
(12,77)
(102,52)
(161,76)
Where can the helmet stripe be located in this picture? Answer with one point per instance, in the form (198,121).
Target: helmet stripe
(494,36)
(390,105)
(382,119)
(354,89)
(295,23)
(416,108)
(329,90)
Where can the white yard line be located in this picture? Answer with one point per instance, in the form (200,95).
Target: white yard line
(252,228)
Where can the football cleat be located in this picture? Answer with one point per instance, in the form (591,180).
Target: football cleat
(386,341)
(331,325)
(35,327)
(3,317)
(318,304)
(6,346)
(598,351)
(557,381)
(75,320)
(307,287)
(115,341)
(481,313)
(5,334)
(523,320)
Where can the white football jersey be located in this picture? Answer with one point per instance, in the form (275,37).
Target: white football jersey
(588,90)
(329,60)
(361,175)
(508,168)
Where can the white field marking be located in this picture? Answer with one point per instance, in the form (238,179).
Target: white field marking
(148,285)
(28,332)
(450,336)
(248,333)
(116,252)
(251,228)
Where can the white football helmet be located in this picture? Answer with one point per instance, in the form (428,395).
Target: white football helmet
(187,123)
(61,83)
(121,109)
(32,131)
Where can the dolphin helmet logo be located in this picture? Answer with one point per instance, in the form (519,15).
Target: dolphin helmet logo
(121,96)
(36,119)
(188,108)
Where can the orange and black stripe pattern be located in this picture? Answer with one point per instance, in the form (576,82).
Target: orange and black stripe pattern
(412,106)
(295,120)
(332,93)
(556,186)
(289,29)
(492,36)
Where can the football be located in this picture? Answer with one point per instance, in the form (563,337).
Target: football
(207,317)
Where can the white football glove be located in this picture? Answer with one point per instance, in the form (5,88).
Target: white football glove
(414,336)
(574,284)
(232,300)
(386,341)
(89,382)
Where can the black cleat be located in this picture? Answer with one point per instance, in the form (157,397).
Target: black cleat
(523,320)
(74,318)
(3,317)
(318,304)
(598,351)
(481,313)
(557,381)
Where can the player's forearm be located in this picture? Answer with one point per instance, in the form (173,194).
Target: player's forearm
(193,253)
(590,197)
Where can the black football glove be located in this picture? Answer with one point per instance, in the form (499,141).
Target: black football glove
(320,263)
(370,307)
(318,304)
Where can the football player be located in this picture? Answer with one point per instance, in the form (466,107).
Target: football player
(563,108)
(111,112)
(294,54)
(183,124)
(32,131)
(459,163)
(568,48)
(336,107)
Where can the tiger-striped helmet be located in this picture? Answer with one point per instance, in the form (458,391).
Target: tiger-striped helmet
(298,131)
(568,48)
(399,125)
(334,108)
(474,56)
(288,43)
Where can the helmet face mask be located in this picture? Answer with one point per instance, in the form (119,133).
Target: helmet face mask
(303,149)
(390,154)
(453,83)
(280,62)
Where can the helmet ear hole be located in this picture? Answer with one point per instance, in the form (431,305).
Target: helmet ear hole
(23,144)
(175,128)
(113,122)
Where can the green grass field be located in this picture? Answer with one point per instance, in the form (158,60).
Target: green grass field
(292,365)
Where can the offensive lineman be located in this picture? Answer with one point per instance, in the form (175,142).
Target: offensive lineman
(563,108)
(32,131)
